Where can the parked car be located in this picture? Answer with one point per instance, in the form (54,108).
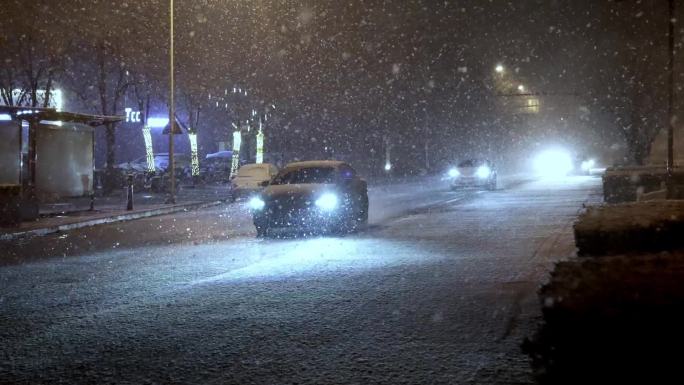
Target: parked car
(181,161)
(136,165)
(216,167)
(161,163)
(473,173)
(251,178)
(226,155)
(313,196)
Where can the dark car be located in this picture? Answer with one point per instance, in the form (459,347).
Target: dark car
(314,196)
(473,173)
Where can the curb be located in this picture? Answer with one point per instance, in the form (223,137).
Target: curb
(111,219)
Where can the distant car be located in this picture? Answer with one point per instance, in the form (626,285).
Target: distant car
(315,196)
(251,178)
(136,165)
(180,161)
(590,166)
(161,163)
(473,173)
(216,167)
(220,155)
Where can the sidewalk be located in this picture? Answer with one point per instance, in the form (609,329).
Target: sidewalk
(76,213)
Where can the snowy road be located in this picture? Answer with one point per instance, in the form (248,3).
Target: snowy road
(438,290)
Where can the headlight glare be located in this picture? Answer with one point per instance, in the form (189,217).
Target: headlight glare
(554,163)
(454,172)
(483,172)
(256,203)
(327,202)
(587,165)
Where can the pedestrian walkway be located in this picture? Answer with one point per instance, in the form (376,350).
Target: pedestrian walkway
(76,213)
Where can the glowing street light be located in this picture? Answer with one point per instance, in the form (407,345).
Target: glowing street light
(499,69)
(388,159)
(521,88)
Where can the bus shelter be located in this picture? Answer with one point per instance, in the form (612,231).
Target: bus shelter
(45,155)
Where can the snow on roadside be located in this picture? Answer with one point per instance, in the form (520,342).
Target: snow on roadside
(630,227)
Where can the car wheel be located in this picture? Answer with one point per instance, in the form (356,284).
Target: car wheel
(363,221)
(360,219)
(261,231)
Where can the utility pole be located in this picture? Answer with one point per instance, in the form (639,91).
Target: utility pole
(427,141)
(172,112)
(388,159)
(670,101)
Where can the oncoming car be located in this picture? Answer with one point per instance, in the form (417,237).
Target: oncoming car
(314,196)
(473,173)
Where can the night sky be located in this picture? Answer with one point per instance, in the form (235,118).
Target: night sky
(344,74)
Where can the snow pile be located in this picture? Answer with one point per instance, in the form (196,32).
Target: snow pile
(611,320)
(625,184)
(630,227)
(629,184)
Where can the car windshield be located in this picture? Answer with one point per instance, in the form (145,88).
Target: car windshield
(472,163)
(253,172)
(305,175)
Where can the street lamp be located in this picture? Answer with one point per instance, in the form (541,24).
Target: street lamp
(521,88)
(172,113)
(499,69)
(670,100)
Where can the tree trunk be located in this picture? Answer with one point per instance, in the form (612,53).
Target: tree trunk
(640,154)
(110,180)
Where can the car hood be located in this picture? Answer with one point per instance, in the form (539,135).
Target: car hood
(248,182)
(467,171)
(295,191)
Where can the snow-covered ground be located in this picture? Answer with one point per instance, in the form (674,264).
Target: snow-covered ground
(439,289)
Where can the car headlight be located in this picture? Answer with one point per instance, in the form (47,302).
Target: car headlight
(327,202)
(256,203)
(588,165)
(453,173)
(553,163)
(483,172)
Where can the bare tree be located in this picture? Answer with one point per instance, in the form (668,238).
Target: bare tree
(631,86)
(101,82)
(33,56)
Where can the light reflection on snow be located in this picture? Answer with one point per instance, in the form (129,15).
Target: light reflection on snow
(276,259)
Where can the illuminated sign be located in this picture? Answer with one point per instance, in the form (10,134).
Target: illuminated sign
(132,116)
(157,122)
